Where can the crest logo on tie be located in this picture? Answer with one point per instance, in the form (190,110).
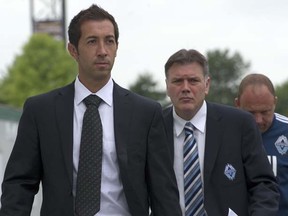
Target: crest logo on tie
(282,145)
(230,172)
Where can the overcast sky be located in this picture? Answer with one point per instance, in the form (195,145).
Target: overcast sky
(152,30)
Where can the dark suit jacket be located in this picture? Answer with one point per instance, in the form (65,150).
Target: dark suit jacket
(232,137)
(44,146)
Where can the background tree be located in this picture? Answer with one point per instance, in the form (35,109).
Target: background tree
(282,104)
(146,86)
(43,65)
(226,70)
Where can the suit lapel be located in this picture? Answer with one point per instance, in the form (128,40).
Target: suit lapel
(214,134)
(168,119)
(64,103)
(123,109)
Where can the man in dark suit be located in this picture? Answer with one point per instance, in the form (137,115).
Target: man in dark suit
(235,174)
(137,172)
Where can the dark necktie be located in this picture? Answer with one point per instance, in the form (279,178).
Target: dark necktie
(193,193)
(88,186)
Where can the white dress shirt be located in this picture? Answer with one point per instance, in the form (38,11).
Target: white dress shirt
(199,123)
(113,201)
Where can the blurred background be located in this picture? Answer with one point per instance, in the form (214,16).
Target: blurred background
(238,37)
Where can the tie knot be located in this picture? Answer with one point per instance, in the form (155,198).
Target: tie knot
(92,100)
(188,128)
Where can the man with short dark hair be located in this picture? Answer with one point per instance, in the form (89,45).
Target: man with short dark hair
(135,170)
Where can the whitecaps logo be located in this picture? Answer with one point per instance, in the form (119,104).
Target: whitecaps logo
(230,172)
(282,145)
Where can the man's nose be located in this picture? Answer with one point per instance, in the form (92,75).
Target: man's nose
(186,85)
(258,118)
(101,49)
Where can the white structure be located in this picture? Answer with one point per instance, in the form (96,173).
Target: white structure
(9,118)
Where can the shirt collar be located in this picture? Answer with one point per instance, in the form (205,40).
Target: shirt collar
(105,93)
(198,121)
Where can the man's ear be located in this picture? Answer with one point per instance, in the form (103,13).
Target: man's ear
(236,102)
(276,100)
(167,92)
(116,49)
(73,51)
(207,84)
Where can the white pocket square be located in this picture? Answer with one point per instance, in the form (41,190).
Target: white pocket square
(231,213)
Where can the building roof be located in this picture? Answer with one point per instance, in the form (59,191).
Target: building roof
(9,113)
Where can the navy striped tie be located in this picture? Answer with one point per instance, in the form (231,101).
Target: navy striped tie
(194,198)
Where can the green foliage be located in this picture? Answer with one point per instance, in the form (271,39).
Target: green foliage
(225,72)
(282,104)
(43,65)
(146,86)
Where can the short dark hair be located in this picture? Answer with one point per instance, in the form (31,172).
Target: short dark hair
(255,79)
(184,57)
(94,12)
